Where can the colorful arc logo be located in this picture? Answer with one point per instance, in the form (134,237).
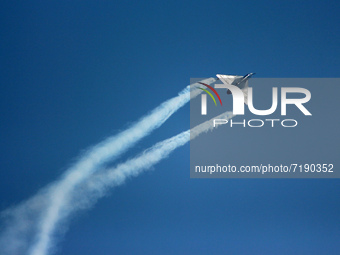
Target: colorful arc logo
(213,90)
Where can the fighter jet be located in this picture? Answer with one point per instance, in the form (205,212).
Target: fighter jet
(239,81)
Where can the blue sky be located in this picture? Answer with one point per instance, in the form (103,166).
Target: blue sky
(73,73)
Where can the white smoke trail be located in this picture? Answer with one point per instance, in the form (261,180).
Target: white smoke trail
(48,203)
(98,185)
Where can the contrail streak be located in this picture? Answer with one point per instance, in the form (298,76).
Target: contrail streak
(104,180)
(47,205)
(98,185)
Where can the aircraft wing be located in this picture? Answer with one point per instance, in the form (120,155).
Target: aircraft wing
(229,79)
(243,85)
(245,93)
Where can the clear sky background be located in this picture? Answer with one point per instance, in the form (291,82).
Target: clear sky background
(75,72)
